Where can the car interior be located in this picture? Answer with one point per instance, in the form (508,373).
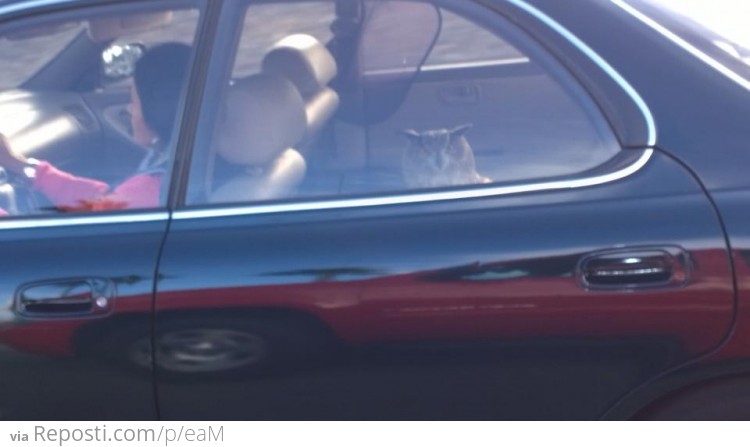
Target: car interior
(59,105)
(282,112)
(375,70)
(319,107)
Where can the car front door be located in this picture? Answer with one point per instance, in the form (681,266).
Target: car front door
(76,284)
(580,264)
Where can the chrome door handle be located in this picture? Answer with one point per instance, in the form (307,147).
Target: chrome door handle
(635,268)
(65,298)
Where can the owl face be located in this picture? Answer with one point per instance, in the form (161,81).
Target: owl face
(440,149)
(439,157)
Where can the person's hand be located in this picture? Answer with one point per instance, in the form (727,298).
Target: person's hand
(9,159)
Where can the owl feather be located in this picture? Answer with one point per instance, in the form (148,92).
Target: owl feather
(438,158)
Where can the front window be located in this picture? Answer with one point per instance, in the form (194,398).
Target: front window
(89,99)
(25,51)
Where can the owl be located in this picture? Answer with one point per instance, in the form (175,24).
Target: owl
(439,157)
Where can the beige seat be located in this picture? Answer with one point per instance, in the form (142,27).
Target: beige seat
(264,120)
(308,64)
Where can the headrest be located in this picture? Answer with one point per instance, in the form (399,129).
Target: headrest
(263,116)
(320,108)
(303,60)
(278,180)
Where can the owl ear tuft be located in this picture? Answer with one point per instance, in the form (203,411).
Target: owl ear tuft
(459,131)
(411,134)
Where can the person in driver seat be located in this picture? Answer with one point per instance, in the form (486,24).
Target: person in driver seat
(158,80)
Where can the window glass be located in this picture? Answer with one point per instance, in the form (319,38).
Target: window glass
(397,96)
(266,24)
(77,136)
(462,42)
(25,53)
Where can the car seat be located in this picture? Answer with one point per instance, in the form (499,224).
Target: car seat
(264,119)
(307,63)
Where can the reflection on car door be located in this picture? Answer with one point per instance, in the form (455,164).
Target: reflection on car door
(76,295)
(530,300)
(468,309)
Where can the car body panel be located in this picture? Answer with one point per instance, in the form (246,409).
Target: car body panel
(420,280)
(59,366)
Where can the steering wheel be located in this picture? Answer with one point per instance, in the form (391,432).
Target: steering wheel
(16,194)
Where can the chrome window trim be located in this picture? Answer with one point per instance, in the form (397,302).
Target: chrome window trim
(682,43)
(72,221)
(490,191)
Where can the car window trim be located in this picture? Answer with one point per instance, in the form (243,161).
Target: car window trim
(413,198)
(52,220)
(317,205)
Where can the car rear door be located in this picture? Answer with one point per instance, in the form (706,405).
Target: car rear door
(549,293)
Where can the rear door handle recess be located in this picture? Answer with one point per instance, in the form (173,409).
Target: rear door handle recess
(65,298)
(460,94)
(639,268)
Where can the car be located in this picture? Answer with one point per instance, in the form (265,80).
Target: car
(374,209)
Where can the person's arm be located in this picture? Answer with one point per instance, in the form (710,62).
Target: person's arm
(141,191)
(65,189)
(62,188)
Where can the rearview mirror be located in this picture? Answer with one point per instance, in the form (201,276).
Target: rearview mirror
(119,60)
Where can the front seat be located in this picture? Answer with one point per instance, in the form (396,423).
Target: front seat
(308,64)
(264,119)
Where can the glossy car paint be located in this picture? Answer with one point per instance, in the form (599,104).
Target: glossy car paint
(467,308)
(406,307)
(416,282)
(60,366)
(702,123)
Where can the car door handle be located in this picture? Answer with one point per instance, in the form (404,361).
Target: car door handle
(65,298)
(460,94)
(635,268)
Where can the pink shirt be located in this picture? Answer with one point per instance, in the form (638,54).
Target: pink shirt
(71,193)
